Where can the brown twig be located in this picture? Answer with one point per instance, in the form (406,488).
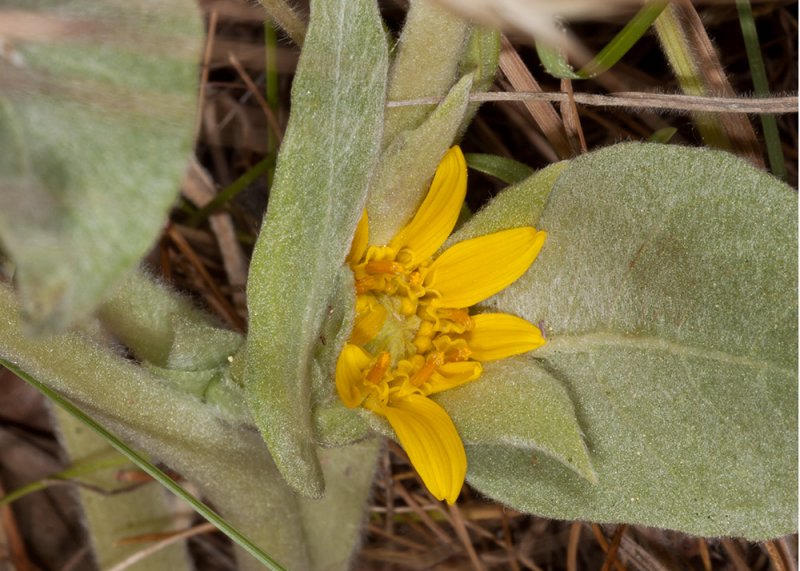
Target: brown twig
(649,101)
(542,111)
(201,99)
(228,312)
(779,555)
(572,545)
(457,521)
(611,554)
(272,121)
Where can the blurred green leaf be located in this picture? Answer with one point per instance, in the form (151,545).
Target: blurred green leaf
(668,289)
(481,58)
(334,525)
(163,328)
(111,518)
(96,122)
(324,166)
(112,396)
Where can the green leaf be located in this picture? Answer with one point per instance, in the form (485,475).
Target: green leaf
(229,464)
(662,135)
(407,165)
(519,407)
(334,524)
(519,205)
(507,170)
(324,166)
(96,122)
(769,123)
(556,64)
(163,328)
(113,517)
(426,65)
(668,289)
(481,58)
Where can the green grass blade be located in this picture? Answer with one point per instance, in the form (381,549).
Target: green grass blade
(64,476)
(234,188)
(156,473)
(507,170)
(663,135)
(556,64)
(761,85)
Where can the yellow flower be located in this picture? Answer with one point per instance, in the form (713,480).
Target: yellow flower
(413,334)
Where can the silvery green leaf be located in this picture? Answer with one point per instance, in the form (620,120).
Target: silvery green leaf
(518,205)
(668,289)
(426,64)
(481,57)
(334,525)
(164,328)
(96,122)
(320,186)
(407,166)
(519,407)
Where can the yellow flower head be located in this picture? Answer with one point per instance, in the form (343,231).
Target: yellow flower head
(414,335)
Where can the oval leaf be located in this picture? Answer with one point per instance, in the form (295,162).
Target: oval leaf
(668,289)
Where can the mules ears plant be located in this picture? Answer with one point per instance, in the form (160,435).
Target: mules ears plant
(641,370)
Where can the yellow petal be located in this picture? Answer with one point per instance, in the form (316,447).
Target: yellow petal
(359,246)
(431,441)
(370,317)
(438,213)
(451,375)
(350,367)
(499,335)
(476,269)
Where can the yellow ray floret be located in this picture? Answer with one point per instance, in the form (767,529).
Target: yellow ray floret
(431,441)
(438,213)
(499,335)
(476,269)
(413,334)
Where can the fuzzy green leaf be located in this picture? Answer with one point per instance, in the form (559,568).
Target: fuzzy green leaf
(481,58)
(229,463)
(111,518)
(96,122)
(668,289)
(334,524)
(324,166)
(519,205)
(165,329)
(426,65)
(407,165)
(519,407)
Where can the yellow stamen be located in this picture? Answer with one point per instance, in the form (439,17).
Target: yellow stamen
(435,359)
(379,369)
(368,284)
(458,316)
(458,354)
(383,267)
